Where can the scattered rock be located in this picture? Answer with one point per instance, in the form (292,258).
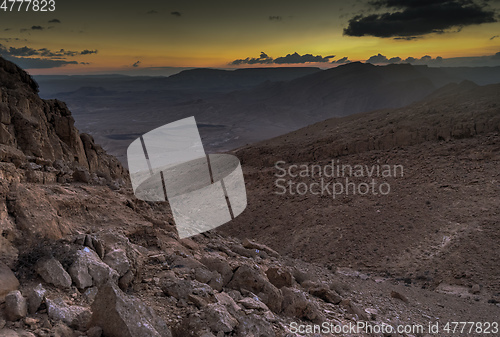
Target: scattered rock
(117,259)
(122,316)
(219,265)
(219,319)
(253,303)
(15,306)
(73,315)
(247,243)
(89,270)
(36,295)
(95,331)
(296,304)
(8,281)
(53,272)
(325,294)
(399,296)
(279,277)
(248,278)
(476,289)
(8,333)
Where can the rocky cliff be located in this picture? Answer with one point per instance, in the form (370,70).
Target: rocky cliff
(38,136)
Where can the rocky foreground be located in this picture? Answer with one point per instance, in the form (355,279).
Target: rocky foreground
(81,256)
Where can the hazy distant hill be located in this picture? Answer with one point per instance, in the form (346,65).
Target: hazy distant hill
(195,80)
(246,105)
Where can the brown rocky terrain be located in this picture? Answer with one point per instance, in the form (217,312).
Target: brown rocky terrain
(81,256)
(438,226)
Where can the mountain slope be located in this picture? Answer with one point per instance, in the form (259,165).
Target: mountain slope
(439,223)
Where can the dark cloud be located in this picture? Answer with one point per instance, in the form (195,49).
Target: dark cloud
(36,28)
(178,14)
(55,21)
(306,58)
(410,18)
(494,37)
(136,64)
(406,38)
(294,58)
(275,18)
(152,12)
(87,52)
(342,60)
(38,63)
(382,59)
(43,52)
(262,59)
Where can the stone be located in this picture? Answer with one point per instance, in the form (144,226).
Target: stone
(8,333)
(353,308)
(120,315)
(219,265)
(126,280)
(75,316)
(219,319)
(53,272)
(8,281)
(62,330)
(203,275)
(90,294)
(254,325)
(296,304)
(228,302)
(247,243)
(253,303)
(325,294)
(399,296)
(117,259)
(15,306)
(95,331)
(88,270)
(476,289)
(279,277)
(248,278)
(36,295)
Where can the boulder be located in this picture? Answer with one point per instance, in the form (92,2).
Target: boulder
(250,279)
(36,295)
(75,316)
(120,315)
(279,277)
(296,304)
(8,281)
(88,270)
(15,306)
(247,243)
(8,333)
(53,272)
(219,319)
(117,259)
(216,263)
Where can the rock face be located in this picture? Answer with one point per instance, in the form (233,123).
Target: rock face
(122,316)
(8,281)
(44,129)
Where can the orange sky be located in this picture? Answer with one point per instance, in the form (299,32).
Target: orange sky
(213,34)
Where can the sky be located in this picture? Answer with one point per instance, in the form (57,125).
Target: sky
(161,37)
